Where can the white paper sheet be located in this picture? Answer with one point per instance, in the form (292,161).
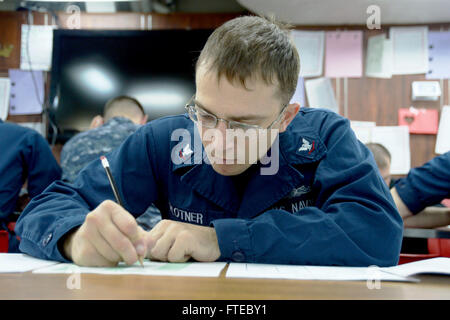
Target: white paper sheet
(440,265)
(443,135)
(246,270)
(320,94)
(355,123)
(36,47)
(18,262)
(5,87)
(393,138)
(310,47)
(438,51)
(379,57)
(364,134)
(27,91)
(363,130)
(343,54)
(398,273)
(396,140)
(151,268)
(409,50)
(299,94)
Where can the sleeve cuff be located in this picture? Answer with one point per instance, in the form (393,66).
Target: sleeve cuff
(234,240)
(409,196)
(46,246)
(60,231)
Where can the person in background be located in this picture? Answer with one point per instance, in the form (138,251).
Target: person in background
(122,116)
(25,156)
(382,158)
(420,192)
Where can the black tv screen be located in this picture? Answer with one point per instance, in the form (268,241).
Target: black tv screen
(89,67)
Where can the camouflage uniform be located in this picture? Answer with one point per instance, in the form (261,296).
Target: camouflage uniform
(88,146)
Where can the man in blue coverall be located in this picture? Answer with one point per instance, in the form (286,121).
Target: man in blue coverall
(24,156)
(311,194)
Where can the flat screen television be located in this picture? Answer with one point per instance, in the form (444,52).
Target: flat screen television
(89,67)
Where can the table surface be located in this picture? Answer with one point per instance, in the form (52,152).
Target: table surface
(96,286)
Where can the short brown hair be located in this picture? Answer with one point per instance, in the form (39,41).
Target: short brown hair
(111,109)
(380,154)
(251,46)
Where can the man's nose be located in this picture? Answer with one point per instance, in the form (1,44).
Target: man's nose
(222,125)
(220,139)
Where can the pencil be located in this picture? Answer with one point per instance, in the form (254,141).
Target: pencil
(105,165)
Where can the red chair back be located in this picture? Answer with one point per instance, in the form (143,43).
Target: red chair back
(440,247)
(436,248)
(4,241)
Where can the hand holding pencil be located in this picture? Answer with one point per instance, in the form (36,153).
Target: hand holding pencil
(105,165)
(108,235)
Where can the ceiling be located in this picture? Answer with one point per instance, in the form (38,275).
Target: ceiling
(162,6)
(297,12)
(351,12)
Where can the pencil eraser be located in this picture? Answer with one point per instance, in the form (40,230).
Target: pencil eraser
(104,161)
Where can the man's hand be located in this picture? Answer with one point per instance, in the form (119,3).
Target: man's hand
(175,241)
(109,235)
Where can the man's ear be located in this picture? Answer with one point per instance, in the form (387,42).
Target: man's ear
(289,115)
(96,122)
(144,119)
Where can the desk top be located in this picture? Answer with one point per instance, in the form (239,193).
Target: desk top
(95,286)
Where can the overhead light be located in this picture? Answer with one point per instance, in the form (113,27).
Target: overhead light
(160,91)
(94,78)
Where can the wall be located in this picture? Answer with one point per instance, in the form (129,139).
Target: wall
(373,99)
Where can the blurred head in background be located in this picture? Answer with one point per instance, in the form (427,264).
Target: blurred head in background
(121,106)
(383,159)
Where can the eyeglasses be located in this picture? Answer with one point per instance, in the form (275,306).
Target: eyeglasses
(208,120)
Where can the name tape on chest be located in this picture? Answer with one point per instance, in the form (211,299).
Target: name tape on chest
(186,216)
